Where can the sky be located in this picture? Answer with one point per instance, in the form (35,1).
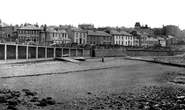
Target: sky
(154,13)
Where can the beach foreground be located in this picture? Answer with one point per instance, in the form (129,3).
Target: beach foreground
(114,84)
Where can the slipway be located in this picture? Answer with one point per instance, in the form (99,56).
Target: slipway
(67,59)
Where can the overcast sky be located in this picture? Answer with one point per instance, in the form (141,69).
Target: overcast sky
(155,13)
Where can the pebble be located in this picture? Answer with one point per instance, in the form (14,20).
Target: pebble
(147,98)
(3,98)
(24,98)
(11,108)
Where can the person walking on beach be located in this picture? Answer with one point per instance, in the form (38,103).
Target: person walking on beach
(103,59)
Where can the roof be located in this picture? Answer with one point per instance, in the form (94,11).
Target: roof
(61,31)
(2,24)
(67,39)
(170,37)
(30,27)
(151,39)
(98,33)
(78,30)
(145,33)
(50,29)
(115,32)
(160,38)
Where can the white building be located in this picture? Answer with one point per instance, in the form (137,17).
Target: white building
(162,41)
(122,38)
(77,35)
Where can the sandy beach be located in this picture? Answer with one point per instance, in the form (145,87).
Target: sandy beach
(76,85)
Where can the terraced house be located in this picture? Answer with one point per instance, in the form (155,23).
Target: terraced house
(99,37)
(6,31)
(122,37)
(151,41)
(77,35)
(54,36)
(29,33)
(140,38)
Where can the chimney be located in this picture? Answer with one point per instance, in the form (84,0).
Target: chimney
(94,29)
(45,26)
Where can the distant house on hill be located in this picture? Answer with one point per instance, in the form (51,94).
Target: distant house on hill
(171,30)
(137,25)
(86,26)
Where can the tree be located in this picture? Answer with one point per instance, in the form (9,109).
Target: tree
(180,42)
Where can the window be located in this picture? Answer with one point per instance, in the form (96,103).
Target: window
(84,41)
(34,39)
(53,34)
(76,40)
(122,42)
(76,34)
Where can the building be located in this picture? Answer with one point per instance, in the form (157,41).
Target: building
(86,26)
(170,40)
(29,33)
(49,35)
(122,38)
(161,41)
(142,39)
(99,37)
(136,40)
(137,25)
(171,30)
(77,35)
(6,31)
(144,28)
(151,41)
